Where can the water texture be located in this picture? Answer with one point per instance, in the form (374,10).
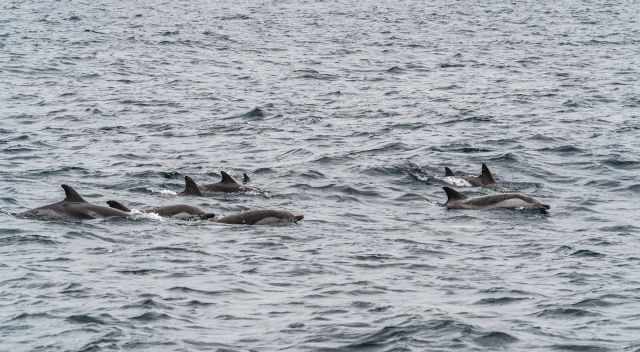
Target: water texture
(346,111)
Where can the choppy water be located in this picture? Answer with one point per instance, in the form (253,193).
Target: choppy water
(346,111)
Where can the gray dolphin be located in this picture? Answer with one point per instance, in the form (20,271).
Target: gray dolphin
(261,217)
(73,206)
(227,184)
(485,178)
(456,200)
(175,210)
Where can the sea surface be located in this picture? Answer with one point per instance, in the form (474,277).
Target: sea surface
(348,112)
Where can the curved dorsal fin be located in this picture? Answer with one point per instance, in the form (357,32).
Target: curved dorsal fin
(226,178)
(117,205)
(485,176)
(452,194)
(245,178)
(190,187)
(448,172)
(71,195)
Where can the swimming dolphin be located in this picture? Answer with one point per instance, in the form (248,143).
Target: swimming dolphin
(227,184)
(261,217)
(73,206)
(483,180)
(175,210)
(457,200)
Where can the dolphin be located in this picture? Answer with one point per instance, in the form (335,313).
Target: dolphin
(485,179)
(261,217)
(175,210)
(73,206)
(227,184)
(457,200)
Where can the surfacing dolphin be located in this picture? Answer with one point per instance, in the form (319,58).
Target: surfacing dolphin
(485,179)
(73,207)
(251,217)
(457,200)
(227,184)
(175,210)
(261,217)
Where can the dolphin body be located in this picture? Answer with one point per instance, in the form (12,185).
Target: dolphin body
(227,184)
(73,207)
(261,217)
(176,210)
(456,200)
(485,179)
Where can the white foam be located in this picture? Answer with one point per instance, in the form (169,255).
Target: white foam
(457,181)
(168,192)
(137,214)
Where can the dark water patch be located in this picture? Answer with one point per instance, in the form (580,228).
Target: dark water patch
(621,164)
(495,339)
(84,319)
(635,188)
(197,303)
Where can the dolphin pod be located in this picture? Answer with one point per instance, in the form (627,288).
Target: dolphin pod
(75,207)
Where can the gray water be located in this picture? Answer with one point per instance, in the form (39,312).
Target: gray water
(346,111)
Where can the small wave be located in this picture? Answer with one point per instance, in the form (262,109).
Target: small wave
(579,348)
(593,302)
(185,289)
(587,253)
(28,239)
(140,271)
(563,149)
(500,300)
(565,313)
(175,249)
(151,316)
(313,74)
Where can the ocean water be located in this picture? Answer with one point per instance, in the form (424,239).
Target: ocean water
(346,111)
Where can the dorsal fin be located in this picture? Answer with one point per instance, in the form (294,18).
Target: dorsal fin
(71,195)
(452,194)
(448,172)
(245,178)
(485,176)
(190,187)
(226,178)
(117,205)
